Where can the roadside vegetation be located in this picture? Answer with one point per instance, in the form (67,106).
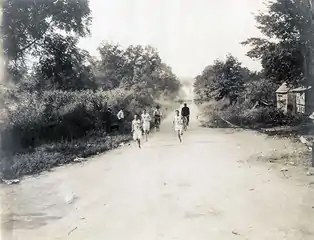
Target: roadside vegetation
(54,95)
(229,94)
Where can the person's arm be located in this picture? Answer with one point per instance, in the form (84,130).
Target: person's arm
(132,130)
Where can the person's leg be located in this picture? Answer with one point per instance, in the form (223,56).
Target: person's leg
(146,135)
(157,123)
(139,143)
(179,135)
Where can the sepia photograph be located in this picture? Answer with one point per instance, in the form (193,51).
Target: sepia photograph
(156,119)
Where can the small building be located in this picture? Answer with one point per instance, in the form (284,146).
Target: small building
(282,97)
(294,100)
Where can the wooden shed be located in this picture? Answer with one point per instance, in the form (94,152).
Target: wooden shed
(282,97)
(302,99)
(294,100)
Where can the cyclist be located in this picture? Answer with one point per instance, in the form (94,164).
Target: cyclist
(178,124)
(157,117)
(146,123)
(185,113)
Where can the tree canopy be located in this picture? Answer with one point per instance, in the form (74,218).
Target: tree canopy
(222,80)
(28,25)
(47,32)
(284,50)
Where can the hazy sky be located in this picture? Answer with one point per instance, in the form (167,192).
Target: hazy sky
(189,34)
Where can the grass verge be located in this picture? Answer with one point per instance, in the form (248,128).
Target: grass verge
(47,156)
(51,155)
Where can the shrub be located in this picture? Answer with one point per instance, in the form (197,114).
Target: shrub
(50,155)
(244,115)
(50,116)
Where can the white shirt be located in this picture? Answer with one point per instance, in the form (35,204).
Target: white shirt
(145,117)
(178,121)
(136,124)
(120,115)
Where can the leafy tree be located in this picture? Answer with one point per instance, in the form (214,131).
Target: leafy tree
(136,68)
(285,48)
(62,65)
(27,24)
(223,80)
(260,91)
(110,69)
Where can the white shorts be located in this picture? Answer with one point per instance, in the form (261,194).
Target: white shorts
(137,135)
(146,126)
(178,128)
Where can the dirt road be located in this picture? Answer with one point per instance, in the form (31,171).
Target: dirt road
(207,187)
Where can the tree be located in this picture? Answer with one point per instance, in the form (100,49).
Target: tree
(223,80)
(62,65)
(134,68)
(284,49)
(110,69)
(260,91)
(202,83)
(26,24)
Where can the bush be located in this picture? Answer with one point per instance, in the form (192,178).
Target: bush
(244,115)
(50,155)
(50,116)
(49,128)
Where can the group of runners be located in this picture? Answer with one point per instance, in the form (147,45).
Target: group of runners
(141,125)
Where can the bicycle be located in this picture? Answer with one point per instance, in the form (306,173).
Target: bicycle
(185,123)
(157,123)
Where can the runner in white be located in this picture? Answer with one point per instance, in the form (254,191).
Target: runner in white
(146,123)
(136,130)
(178,124)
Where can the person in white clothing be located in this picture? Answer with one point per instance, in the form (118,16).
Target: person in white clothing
(178,124)
(137,130)
(120,117)
(146,123)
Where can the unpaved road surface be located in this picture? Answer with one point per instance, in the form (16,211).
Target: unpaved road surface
(206,188)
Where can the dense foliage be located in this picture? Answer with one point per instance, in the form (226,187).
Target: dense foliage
(285,52)
(61,95)
(286,48)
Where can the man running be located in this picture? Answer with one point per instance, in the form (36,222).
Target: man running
(178,125)
(185,112)
(146,123)
(157,117)
(136,130)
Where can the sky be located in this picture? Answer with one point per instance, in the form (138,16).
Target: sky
(188,34)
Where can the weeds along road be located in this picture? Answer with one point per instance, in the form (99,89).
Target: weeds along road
(204,188)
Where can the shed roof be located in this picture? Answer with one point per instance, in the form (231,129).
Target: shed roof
(301,89)
(283,88)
